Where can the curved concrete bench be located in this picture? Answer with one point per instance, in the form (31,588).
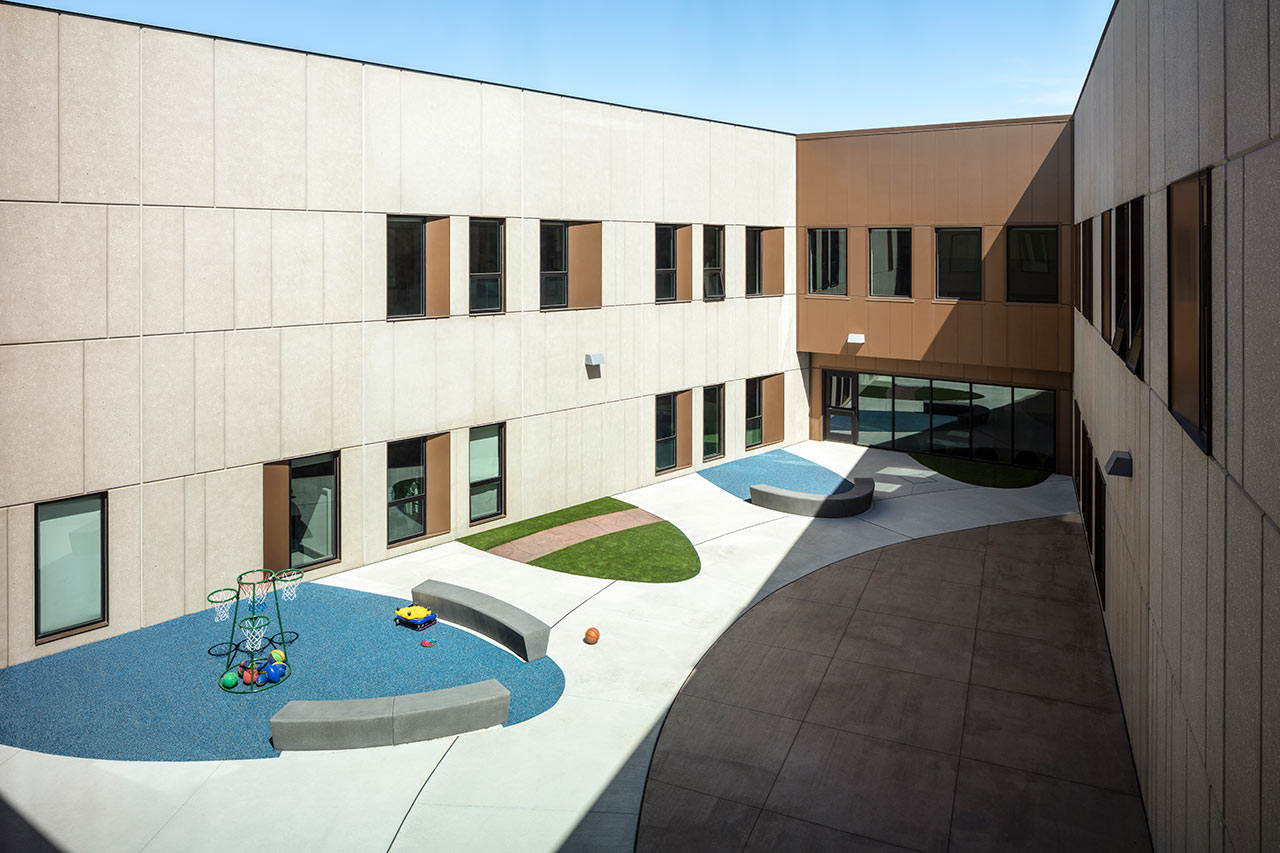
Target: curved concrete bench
(359,723)
(839,505)
(521,632)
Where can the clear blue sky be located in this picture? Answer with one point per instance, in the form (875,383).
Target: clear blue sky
(802,66)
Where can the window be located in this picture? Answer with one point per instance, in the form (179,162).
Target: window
(406,267)
(1189,391)
(313,510)
(828,256)
(665,432)
(755,413)
(712,262)
(486,266)
(890,262)
(959,263)
(1120,331)
(1105,328)
(487,461)
(1032,265)
(555,265)
(71,566)
(712,422)
(665,263)
(1137,225)
(406,490)
(839,409)
(1086,269)
(755,261)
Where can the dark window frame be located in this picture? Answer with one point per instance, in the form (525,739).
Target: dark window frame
(937,263)
(473,275)
(336,456)
(674,438)
(104,532)
(840,287)
(713,272)
(871,271)
(421,441)
(720,442)
(420,224)
(672,271)
(1086,270)
(758,399)
(755,261)
(1200,429)
(1137,286)
(544,272)
(1010,277)
(501,479)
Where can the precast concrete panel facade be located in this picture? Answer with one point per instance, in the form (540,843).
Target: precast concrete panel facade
(193,240)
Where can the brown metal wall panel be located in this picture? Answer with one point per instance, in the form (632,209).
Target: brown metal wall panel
(773,392)
(855,151)
(438,267)
(969,185)
(859,271)
(966,319)
(275,516)
(815,404)
(1066,264)
(439,484)
(684,263)
(946,180)
(900,208)
(993,263)
(995,179)
(585,265)
(994,334)
(924,330)
(684,429)
(1044,342)
(876,205)
(1062,455)
(773,261)
(922,257)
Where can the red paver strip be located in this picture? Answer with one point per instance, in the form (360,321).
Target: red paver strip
(544,542)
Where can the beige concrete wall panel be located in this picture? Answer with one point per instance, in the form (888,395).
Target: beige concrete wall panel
(123,270)
(1243,670)
(97,110)
(163,239)
(373,543)
(482,367)
(20,613)
(564,361)
(1156,95)
(55,272)
(342,267)
(542,164)
(194,590)
(613,466)
(177,118)
(574,459)
(124,589)
(252,268)
(1261,330)
(163,551)
(557,483)
(29,94)
(233,524)
(348,383)
(260,130)
(1270,746)
(533,348)
(454,337)
(4,587)
(968,143)
(1195,588)
(1181,87)
(335,127)
(536,464)
(208,262)
(306,391)
(1248,98)
(518,234)
(168,406)
(501,159)
(439,138)
(112,432)
(724,202)
(506,377)
(1211,79)
(1172,558)
(350,510)
(686,169)
(627,177)
(375,266)
(297,268)
(210,401)
(749,158)
(654,178)
(585,163)
(41,405)
(782,209)
(381,139)
(252,397)
(591,337)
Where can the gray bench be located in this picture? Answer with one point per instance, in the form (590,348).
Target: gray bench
(521,632)
(839,505)
(360,723)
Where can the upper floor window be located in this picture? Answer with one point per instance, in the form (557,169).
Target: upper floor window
(959,269)
(665,263)
(555,265)
(828,261)
(406,266)
(890,261)
(1188,300)
(1032,264)
(486,266)
(71,566)
(755,261)
(712,262)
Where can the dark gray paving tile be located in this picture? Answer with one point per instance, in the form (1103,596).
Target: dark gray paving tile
(922,560)
(899,706)
(1041,540)
(1042,618)
(921,598)
(999,808)
(775,832)
(762,678)
(676,819)
(865,560)
(1072,742)
(911,645)
(974,539)
(1049,670)
(1068,583)
(886,791)
(840,584)
(602,831)
(805,626)
(721,750)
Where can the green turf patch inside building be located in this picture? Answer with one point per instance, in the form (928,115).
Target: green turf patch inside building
(489,539)
(651,553)
(982,473)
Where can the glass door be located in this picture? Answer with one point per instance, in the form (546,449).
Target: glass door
(839,406)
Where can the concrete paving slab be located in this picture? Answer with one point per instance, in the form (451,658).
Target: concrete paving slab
(911,645)
(700,509)
(454,827)
(761,678)
(692,821)
(1047,669)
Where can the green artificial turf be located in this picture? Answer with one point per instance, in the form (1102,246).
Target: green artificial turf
(488,539)
(651,553)
(982,473)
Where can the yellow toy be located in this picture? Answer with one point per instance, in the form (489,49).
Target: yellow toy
(415,616)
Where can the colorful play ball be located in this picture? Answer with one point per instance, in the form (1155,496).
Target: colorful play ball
(277,656)
(248,676)
(592,636)
(274,672)
(229,680)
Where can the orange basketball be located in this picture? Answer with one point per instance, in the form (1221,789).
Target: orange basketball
(592,636)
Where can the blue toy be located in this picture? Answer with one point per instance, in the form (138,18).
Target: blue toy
(415,616)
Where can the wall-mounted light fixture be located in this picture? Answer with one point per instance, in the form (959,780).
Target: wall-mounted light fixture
(856,338)
(1120,464)
(595,359)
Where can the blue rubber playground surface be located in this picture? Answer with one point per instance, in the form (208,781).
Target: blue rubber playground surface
(151,695)
(776,468)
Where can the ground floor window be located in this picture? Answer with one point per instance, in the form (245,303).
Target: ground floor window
(71,566)
(712,422)
(971,420)
(313,510)
(665,432)
(487,466)
(755,413)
